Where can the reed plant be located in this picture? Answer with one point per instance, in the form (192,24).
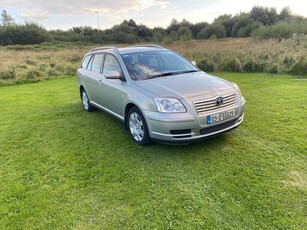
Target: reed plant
(21,64)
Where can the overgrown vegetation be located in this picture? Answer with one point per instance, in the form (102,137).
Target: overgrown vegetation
(34,63)
(51,60)
(60,52)
(248,55)
(260,22)
(64,168)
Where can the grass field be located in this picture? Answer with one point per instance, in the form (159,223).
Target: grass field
(64,168)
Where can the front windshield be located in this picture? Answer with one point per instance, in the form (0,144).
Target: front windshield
(147,65)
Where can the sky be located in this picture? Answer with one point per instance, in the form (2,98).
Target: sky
(65,14)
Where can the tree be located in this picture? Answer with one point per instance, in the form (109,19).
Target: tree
(132,23)
(215,30)
(30,33)
(184,33)
(265,15)
(33,34)
(227,21)
(197,27)
(242,21)
(185,22)
(249,29)
(126,32)
(6,19)
(144,32)
(174,25)
(158,34)
(84,30)
(285,13)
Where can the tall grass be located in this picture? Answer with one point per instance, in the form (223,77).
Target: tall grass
(28,65)
(33,63)
(248,55)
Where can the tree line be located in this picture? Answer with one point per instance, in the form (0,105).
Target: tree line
(260,22)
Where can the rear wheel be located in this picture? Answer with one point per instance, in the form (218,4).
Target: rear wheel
(86,102)
(137,127)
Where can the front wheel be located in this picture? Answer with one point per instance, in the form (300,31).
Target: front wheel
(138,127)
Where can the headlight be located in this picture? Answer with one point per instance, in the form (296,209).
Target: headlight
(169,105)
(240,94)
(237,88)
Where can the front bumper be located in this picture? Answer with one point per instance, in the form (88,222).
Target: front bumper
(186,128)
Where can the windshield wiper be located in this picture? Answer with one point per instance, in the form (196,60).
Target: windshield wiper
(173,73)
(188,71)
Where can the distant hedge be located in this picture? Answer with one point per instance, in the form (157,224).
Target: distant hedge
(260,23)
(27,34)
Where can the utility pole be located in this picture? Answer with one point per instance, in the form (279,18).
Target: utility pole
(97,20)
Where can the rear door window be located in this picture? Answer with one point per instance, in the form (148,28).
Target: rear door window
(85,62)
(97,62)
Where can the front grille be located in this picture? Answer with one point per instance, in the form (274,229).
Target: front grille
(206,106)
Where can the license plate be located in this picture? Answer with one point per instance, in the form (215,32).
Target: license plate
(220,116)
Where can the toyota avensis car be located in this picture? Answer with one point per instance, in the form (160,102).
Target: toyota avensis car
(158,94)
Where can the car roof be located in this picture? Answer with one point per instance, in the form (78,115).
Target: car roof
(129,49)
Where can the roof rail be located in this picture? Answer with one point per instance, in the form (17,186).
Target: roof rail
(148,45)
(103,48)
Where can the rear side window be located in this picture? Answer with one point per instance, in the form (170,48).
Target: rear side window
(85,61)
(96,65)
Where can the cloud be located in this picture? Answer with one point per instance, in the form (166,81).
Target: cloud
(64,14)
(33,15)
(38,8)
(67,13)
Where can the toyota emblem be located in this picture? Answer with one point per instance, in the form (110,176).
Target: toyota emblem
(219,101)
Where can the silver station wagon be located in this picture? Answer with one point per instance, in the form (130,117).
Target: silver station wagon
(158,94)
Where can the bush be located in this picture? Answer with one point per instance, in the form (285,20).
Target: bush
(240,27)
(253,66)
(33,74)
(184,33)
(30,62)
(74,58)
(215,30)
(7,74)
(273,68)
(248,30)
(233,65)
(206,65)
(71,70)
(280,31)
(30,33)
(42,67)
(300,67)
(52,72)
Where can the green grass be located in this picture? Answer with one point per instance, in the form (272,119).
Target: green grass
(64,168)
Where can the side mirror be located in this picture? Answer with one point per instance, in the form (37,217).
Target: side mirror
(193,63)
(113,74)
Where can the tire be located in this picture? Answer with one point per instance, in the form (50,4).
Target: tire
(86,102)
(137,127)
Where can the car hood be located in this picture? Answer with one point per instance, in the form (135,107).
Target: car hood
(185,85)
